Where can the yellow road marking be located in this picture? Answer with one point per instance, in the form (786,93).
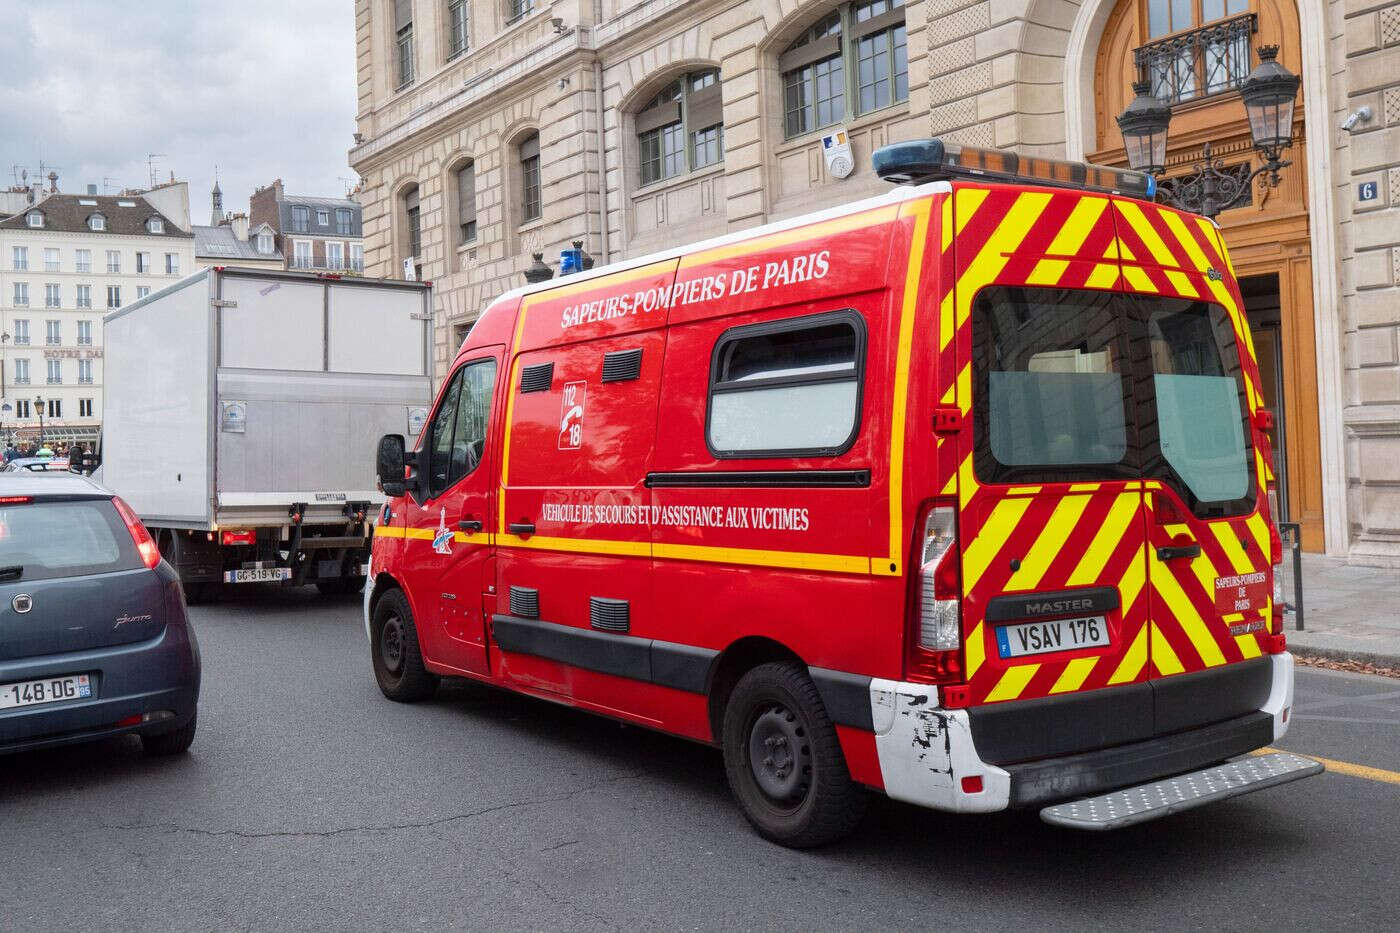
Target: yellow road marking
(1365,772)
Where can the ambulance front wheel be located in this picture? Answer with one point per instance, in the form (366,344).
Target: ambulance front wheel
(398,664)
(784,761)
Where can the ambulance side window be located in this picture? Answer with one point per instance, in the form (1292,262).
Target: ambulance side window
(787,388)
(458,435)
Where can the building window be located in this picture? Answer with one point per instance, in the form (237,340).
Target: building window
(21,332)
(466,202)
(530,203)
(343,219)
(458,30)
(55,404)
(114,262)
(22,409)
(53,297)
(53,333)
(681,128)
(84,408)
(50,260)
(412,225)
(84,296)
(1203,55)
(516,9)
(85,371)
(21,294)
(155,225)
(142,291)
(97,222)
(114,296)
(35,218)
(403,41)
(54,377)
(82,261)
(866,39)
(22,375)
(323,217)
(172,263)
(301,254)
(335,255)
(357,257)
(85,333)
(265,243)
(143,263)
(301,218)
(19,258)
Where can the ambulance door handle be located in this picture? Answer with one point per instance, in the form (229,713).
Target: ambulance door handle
(1178,551)
(469,524)
(522,528)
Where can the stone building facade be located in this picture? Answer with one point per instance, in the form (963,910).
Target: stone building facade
(458,96)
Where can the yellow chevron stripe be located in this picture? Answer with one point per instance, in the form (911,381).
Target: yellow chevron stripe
(1133,659)
(1185,613)
(1084,487)
(1260,529)
(1047,272)
(965,389)
(1124,253)
(1134,579)
(1110,533)
(1148,234)
(949,487)
(1225,534)
(1182,283)
(976,650)
(969,200)
(990,260)
(1138,279)
(967,481)
(1074,675)
(1188,242)
(1163,657)
(991,539)
(945,225)
(1012,682)
(1249,646)
(1048,543)
(1103,276)
(1023,490)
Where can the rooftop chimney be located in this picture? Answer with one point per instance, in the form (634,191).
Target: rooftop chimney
(92,189)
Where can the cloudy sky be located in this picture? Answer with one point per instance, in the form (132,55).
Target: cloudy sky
(260,88)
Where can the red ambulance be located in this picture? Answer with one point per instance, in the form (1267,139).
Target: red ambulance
(961,494)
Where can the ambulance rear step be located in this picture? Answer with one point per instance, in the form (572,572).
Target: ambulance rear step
(1183,792)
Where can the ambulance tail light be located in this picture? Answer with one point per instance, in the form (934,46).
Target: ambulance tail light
(1276,559)
(935,654)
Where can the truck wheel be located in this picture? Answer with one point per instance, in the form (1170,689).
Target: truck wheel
(784,761)
(398,664)
(171,743)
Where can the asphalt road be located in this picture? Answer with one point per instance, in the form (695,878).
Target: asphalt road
(308,801)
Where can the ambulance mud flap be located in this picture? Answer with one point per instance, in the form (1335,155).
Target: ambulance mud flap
(1183,792)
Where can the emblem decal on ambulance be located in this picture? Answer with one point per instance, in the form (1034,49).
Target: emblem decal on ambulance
(571,416)
(1214,274)
(442,539)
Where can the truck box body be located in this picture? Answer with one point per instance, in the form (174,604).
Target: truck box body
(235,396)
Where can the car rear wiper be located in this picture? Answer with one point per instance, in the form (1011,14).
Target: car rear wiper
(11,573)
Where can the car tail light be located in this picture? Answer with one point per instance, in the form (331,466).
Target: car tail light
(150,554)
(246,536)
(935,654)
(16,500)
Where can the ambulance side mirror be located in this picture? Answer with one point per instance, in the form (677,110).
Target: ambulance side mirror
(389,465)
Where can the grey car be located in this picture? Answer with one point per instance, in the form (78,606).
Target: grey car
(94,640)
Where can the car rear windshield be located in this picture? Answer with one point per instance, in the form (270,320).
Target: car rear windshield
(1072,386)
(48,539)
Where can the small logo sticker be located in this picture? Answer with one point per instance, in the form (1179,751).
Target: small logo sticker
(125,618)
(442,541)
(571,415)
(1214,274)
(22,603)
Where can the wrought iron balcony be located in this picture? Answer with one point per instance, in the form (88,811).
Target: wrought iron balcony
(1210,59)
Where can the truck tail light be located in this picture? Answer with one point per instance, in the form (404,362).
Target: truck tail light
(245,536)
(150,554)
(935,648)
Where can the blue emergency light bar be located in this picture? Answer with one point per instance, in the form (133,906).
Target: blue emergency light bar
(922,160)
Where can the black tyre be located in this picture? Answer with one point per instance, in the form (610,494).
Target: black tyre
(784,761)
(398,664)
(171,743)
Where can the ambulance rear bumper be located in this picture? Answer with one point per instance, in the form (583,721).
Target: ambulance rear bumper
(929,756)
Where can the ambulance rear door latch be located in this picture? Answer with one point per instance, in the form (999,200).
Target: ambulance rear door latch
(947,421)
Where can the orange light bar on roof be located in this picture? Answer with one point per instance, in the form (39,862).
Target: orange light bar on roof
(922,160)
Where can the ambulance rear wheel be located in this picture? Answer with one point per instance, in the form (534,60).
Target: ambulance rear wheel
(398,664)
(784,761)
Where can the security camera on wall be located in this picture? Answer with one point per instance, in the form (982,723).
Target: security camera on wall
(836,148)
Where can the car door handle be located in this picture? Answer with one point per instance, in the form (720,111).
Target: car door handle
(469,524)
(1178,551)
(522,528)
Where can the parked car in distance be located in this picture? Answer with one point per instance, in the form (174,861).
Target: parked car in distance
(38,465)
(94,640)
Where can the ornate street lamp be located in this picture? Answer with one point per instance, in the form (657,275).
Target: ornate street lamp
(39,406)
(1268,94)
(5,409)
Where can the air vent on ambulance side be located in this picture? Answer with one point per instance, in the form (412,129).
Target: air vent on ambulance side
(524,602)
(622,365)
(609,615)
(537,378)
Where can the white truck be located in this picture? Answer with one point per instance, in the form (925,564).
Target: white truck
(239,404)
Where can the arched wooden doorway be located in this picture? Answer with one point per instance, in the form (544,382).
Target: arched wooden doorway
(1196,52)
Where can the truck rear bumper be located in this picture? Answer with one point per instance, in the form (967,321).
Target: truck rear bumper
(942,758)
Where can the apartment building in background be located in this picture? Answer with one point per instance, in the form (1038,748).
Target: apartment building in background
(312,233)
(65,261)
(228,239)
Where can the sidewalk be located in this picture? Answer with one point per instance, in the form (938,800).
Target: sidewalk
(1350,613)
